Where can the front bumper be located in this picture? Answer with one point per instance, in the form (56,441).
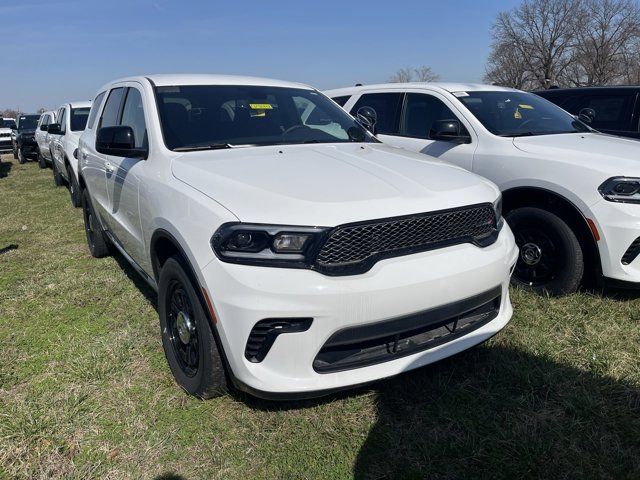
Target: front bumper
(244,295)
(619,226)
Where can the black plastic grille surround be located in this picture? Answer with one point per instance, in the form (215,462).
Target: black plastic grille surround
(369,344)
(264,334)
(354,248)
(632,252)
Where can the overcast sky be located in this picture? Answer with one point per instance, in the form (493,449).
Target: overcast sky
(61,50)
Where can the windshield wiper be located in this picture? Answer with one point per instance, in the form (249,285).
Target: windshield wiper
(212,146)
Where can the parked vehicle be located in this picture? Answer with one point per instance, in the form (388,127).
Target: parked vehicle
(63,141)
(6,125)
(613,110)
(23,138)
(288,247)
(42,138)
(568,191)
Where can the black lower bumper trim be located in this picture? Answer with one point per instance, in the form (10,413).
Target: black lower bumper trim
(365,345)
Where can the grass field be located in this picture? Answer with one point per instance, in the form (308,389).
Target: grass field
(85,391)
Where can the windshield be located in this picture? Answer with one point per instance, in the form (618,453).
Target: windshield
(28,122)
(203,116)
(515,114)
(79,118)
(7,123)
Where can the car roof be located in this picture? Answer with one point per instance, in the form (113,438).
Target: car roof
(608,88)
(442,86)
(168,80)
(79,104)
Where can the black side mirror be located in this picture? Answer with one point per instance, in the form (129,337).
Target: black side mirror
(368,117)
(449,131)
(587,115)
(44,128)
(119,141)
(55,128)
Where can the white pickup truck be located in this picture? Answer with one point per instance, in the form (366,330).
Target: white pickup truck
(63,142)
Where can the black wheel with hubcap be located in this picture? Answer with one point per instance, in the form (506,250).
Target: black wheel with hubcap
(550,260)
(74,190)
(96,237)
(187,338)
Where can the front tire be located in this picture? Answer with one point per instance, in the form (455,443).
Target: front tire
(96,237)
(550,260)
(74,190)
(15,152)
(187,338)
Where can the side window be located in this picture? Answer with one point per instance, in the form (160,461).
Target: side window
(95,106)
(386,105)
(133,116)
(111,110)
(420,111)
(613,112)
(63,120)
(341,100)
(45,120)
(59,116)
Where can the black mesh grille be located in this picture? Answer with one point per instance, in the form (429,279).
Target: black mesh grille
(632,252)
(350,245)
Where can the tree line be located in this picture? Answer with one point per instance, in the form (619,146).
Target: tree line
(567,43)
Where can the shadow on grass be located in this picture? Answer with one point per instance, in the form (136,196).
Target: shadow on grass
(170,476)
(149,293)
(5,168)
(500,413)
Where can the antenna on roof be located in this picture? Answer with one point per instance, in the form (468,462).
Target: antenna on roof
(358,84)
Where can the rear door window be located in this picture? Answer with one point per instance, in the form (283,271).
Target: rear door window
(613,112)
(386,105)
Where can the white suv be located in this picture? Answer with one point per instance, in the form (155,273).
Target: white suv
(570,193)
(43,139)
(6,126)
(63,142)
(288,247)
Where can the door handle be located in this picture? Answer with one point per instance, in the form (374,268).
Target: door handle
(108,167)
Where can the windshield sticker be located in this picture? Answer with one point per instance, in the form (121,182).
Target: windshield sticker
(261,106)
(525,106)
(460,94)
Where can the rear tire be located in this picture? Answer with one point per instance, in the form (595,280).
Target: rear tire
(550,260)
(15,152)
(96,237)
(74,190)
(187,338)
(42,163)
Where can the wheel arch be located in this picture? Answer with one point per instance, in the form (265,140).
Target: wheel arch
(527,196)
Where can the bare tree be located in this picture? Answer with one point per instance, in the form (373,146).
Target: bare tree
(41,110)
(403,75)
(566,43)
(420,74)
(426,74)
(10,113)
(604,31)
(540,32)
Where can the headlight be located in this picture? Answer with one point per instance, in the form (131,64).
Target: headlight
(621,189)
(268,245)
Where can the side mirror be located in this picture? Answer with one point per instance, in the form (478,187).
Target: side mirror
(55,128)
(587,115)
(368,117)
(44,128)
(120,142)
(448,130)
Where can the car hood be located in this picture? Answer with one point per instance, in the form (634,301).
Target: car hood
(328,185)
(597,151)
